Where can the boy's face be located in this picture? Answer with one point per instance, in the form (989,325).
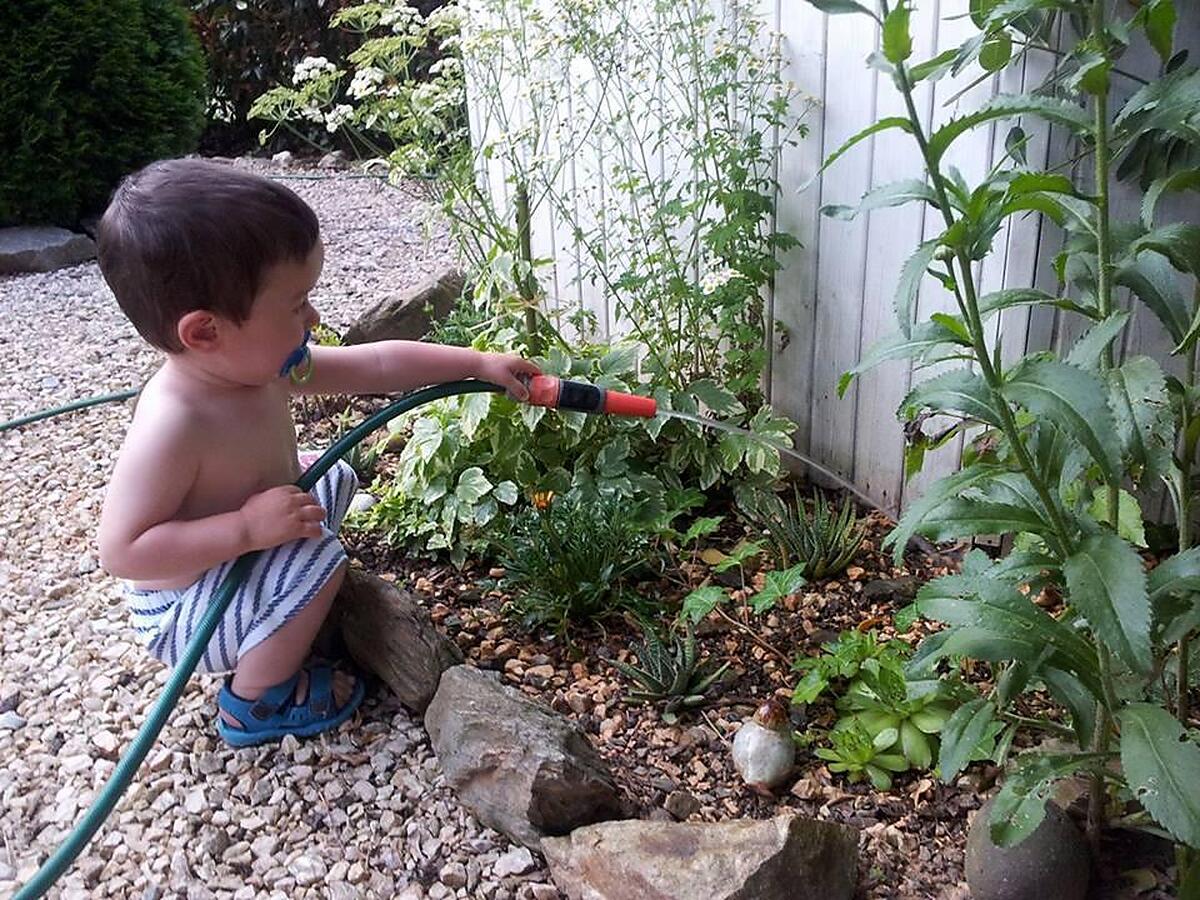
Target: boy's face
(279,318)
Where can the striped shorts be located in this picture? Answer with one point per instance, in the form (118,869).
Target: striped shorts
(282,582)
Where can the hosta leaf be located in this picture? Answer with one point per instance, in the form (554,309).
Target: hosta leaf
(1152,279)
(1162,767)
(1075,400)
(1020,805)
(895,194)
(961,391)
(1057,112)
(1105,581)
(962,734)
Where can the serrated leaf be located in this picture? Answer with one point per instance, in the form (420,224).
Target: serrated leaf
(1089,348)
(1075,400)
(1020,805)
(961,391)
(883,124)
(934,496)
(933,69)
(895,194)
(700,602)
(1142,409)
(926,337)
(1057,112)
(1162,768)
(897,42)
(1105,582)
(909,285)
(1151,277)
(1179,242)
(962,734)
(839,7)
(1185,180)
(962,517)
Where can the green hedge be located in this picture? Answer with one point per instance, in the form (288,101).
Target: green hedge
(89,91)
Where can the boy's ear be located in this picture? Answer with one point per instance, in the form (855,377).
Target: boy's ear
(198,330)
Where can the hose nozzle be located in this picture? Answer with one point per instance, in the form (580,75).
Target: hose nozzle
(557,393)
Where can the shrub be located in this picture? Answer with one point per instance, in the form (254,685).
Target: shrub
(252,46)
(89,91)
(569,562)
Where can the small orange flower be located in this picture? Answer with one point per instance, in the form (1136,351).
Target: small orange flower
(541,499)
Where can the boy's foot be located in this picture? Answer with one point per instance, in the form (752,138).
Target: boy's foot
(304,705)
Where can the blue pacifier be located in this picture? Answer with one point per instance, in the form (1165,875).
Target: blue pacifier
(297,358)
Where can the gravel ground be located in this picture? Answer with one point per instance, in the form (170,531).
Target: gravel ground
(363,812)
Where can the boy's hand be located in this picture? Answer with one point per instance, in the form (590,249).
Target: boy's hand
(281,514)
(506,370)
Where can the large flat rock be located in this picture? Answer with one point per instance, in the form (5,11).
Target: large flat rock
(42,249)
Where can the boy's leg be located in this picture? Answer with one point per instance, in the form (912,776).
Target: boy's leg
(281,655)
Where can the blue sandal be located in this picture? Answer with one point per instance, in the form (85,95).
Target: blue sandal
(276,713)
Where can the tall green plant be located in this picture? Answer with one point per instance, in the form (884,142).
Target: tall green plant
(1056,440)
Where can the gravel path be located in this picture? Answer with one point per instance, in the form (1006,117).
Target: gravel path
(360,813)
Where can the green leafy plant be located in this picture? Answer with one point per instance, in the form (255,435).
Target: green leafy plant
(572,562)
(673,673)
(855,752)
(90,91)
(823,542)
(901,717)
(1050,435)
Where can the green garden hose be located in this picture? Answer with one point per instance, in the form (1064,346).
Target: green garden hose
(127,766)
(70,407)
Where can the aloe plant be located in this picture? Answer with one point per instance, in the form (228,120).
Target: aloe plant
(823,542)
(672,673)
(1053,441)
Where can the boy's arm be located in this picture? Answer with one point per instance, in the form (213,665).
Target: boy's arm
(388,366)
(142,541)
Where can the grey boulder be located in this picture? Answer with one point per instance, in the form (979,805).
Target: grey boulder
(522,769)
(409,315)
(389,633)
(42,249)
(785,858)
(1052,862)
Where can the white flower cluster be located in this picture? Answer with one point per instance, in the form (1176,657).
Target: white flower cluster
(311,67)
(337,117)
(445,19)
(365,82)
(713,280)
(401,17)
(447,66)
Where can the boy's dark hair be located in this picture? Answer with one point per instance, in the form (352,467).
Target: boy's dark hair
(186,234)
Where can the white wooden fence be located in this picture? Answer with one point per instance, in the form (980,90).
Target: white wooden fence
(834,295)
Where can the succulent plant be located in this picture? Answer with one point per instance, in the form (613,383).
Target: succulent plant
(824,542)
(674,674)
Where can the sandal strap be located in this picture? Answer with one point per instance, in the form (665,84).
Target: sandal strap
(275,698)
(320,689)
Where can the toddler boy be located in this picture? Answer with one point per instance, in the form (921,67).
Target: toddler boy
(214,265)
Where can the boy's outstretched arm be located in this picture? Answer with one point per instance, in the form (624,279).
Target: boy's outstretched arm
(140,538)
(388,366)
